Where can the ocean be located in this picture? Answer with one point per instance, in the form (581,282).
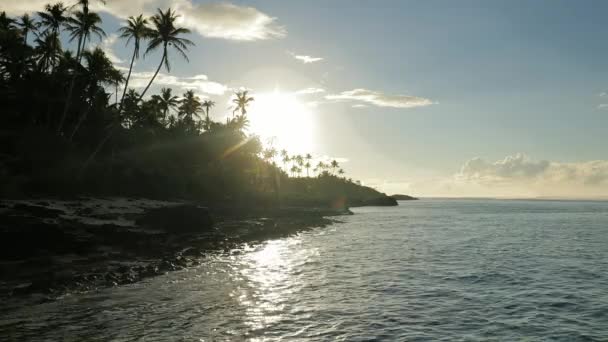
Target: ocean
(428,270)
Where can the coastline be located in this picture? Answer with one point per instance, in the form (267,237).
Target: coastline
(51,247)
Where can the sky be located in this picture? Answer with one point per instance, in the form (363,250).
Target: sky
(429,98)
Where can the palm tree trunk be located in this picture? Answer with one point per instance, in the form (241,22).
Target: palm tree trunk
(162,60)
(124,92)
(68,100)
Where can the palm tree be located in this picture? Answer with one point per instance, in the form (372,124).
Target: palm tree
(136,30)
(82,26)
(341,172)
(240,123)
(190,106)
(299,160)
(307,166)
(27,25)
(165,34)
(6,22)
(166,101)
(207,104)
(293,170)
(241,101)
(99,71)
(48,51)
(81,19)
(334,165)
(53,17)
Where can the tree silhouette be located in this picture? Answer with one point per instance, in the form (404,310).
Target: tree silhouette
(166,101)
(164,34)
(207,104)
(334,165)
(27,25)
(53,17)
(190,106)
(241,101)
(136,30)
(48,51)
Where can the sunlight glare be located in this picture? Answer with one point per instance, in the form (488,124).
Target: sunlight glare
(282,117)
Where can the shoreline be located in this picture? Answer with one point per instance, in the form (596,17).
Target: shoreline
(52,247)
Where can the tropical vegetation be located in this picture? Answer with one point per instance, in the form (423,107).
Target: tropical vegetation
(72,125)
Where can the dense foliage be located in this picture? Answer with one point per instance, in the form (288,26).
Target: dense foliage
(68,127)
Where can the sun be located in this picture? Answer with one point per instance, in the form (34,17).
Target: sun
(284,119)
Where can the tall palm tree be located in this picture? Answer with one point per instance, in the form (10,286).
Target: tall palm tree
(53,17)
(136,30)
(165,34)
(27,25)
(307,166)
(99,71)
(84,4)
(166,101)
(241,101)
(82,26)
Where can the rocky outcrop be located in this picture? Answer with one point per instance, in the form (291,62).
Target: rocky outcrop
(185,218)
(399,197)
(384,201)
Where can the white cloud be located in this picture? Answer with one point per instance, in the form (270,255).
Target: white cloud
(521,176)
(379,99)
(602,106)
(19,7)
(200,83)
(229,21)
(307,59)
(106,45)
(213,20)
(359,106)
(309,91)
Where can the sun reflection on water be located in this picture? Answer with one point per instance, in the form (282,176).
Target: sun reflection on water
(269,280)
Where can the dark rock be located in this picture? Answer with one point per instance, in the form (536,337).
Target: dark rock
(179,219)
(384,201)
(404,197)
(37,211)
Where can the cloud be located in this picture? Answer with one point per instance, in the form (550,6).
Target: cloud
(602,106)
(519,175)
(107,44)
(214,20)
(200,83)
(376,98)
(306,59)
(229,21)
(309,91)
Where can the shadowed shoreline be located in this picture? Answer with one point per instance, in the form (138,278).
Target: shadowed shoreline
(53,247)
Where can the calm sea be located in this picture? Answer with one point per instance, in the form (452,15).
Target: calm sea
(429,270)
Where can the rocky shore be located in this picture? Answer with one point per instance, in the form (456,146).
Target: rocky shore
(52,247)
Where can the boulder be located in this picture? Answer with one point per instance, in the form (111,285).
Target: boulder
(185,218)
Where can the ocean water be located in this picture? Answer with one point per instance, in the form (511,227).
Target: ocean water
(430,270)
